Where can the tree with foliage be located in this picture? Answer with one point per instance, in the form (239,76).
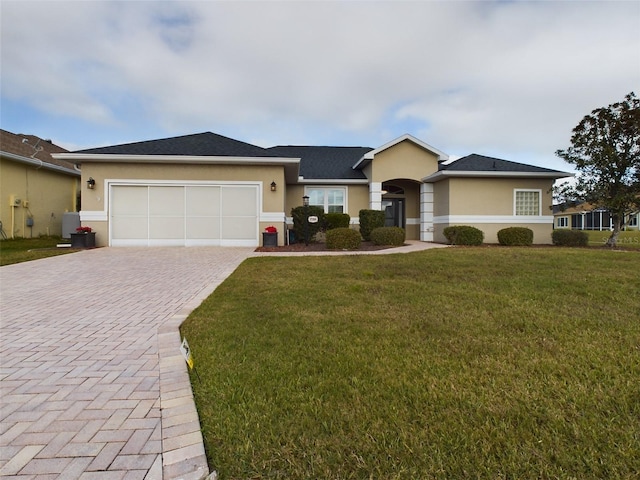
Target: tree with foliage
(605,149)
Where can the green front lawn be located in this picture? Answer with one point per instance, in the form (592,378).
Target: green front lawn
(451,363)
(627,240)
(16,250)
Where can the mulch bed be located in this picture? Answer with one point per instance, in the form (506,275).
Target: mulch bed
(318,247)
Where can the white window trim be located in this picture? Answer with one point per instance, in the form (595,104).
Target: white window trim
(565,221)
(515,194)
(331,187)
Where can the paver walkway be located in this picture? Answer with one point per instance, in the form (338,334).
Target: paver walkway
(92,382)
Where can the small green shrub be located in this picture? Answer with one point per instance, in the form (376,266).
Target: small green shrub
(343,239)
(570,238)
(515,236)
(388,236)
(336,220)
(463,235)
(298,214)
(369,220)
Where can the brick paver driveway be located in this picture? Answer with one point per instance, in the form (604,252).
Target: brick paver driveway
(92,382)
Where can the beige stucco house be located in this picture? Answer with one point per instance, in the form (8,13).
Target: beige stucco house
(206,189)
(35,188)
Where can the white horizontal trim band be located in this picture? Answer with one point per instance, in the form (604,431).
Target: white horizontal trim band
(93,216)
(517,219)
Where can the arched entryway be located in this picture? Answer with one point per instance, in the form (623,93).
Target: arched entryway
(401,204)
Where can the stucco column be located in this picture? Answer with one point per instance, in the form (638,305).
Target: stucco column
(375,196)
(426,212)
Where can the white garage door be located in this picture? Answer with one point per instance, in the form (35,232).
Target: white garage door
(167,215)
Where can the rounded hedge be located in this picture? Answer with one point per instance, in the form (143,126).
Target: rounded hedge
(370,220)
(336,220)
(300,224)
(463,235)
(388,236)
(343,239)
(570,238)
(515,236)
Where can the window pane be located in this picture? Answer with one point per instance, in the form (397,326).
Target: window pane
(527,203)
(336,197)
(316,197)
(335,209)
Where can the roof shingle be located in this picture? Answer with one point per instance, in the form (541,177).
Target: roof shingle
(325,163)
(481,163)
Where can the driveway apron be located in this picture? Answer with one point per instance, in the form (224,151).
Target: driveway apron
(92,382)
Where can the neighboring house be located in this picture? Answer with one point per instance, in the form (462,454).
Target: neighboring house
(206,189)
(585,216)
(35,188)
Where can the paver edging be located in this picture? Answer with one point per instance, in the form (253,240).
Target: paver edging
(184,456)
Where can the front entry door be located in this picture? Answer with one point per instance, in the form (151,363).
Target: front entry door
(393,212)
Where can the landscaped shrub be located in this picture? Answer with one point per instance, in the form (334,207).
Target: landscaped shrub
(298,214)
(343,239)
(515,236)
(388,236)
(370,219)
(336,220)
(570,238)
(463,235)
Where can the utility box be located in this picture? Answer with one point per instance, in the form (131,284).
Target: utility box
(70,221)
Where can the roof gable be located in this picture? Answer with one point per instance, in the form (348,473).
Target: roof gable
(199,144)
(368,157)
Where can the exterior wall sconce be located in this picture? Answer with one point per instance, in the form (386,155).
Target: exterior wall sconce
(91,183)
(305,201)
(273,186)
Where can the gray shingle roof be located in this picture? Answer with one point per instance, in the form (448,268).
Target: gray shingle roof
(480,163)
(325,162)
(199,144)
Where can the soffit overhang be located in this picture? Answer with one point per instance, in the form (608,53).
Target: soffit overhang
(445,174)
(291,165)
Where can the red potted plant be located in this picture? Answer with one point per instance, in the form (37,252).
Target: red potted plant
(83,238)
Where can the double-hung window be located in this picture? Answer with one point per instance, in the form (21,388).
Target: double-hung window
(527,202)
(331,199)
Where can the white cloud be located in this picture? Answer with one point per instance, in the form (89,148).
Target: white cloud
(508,78)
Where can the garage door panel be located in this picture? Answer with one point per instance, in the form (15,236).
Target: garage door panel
(239,228)
(166,201)
(239,201)
(166,227)
(134,227)
(203,228)
(203,201)
(129,201)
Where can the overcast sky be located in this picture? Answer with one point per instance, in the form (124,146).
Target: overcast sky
(506,79)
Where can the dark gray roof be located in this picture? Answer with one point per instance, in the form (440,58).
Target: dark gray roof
(325,162)
(199,144)
(480,163)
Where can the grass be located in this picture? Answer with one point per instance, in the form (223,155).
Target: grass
(16,250)
(457,363)
(627,240)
